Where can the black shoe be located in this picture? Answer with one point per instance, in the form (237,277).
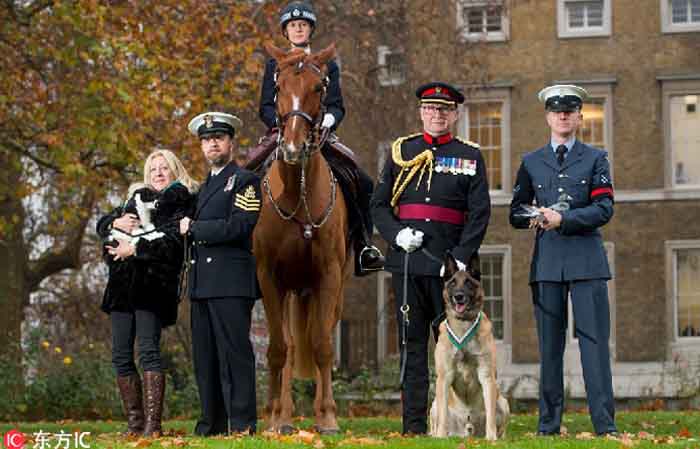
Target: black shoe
(611,433)
(547,434)
(368,260)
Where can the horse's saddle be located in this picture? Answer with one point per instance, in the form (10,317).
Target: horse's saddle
(339,156)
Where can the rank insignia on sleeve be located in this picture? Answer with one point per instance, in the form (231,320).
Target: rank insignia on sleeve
(230,183)
(248,200)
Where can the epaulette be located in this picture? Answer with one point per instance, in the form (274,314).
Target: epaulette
(401,140)
(468,142)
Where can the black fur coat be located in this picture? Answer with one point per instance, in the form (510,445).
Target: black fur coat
(149,280)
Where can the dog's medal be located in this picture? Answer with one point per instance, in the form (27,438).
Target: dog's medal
(460,342)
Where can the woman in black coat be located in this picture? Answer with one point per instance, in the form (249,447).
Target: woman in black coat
(144,252)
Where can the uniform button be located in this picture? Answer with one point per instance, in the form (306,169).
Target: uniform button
(427,199)
(583,181)
(427,220)
(193,261)
(539,186)
(561,175)
(208,259)
(560,189)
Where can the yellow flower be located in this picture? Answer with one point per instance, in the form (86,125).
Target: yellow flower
(58,349)
(67,360)
(45,344)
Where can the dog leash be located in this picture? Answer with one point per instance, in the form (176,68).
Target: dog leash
(404,327)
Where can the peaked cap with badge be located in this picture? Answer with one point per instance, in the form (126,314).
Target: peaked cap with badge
(563,97)
(440,93)
(214,122)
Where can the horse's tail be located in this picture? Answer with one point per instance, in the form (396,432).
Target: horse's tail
(304,367)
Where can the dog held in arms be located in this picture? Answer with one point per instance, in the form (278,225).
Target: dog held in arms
(467,399)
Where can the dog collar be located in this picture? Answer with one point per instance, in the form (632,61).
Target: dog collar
(460,342)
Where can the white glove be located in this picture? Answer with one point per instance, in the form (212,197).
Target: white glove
(460,267)
(328,120)
(409,239)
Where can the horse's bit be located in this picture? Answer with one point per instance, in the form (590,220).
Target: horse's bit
(313,134)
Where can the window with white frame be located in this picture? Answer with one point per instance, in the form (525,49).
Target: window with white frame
(685,139)
(682,133)
(584,18)
(482,20)
(686,292)
(495,280)
(678,16)
(592,129)
(571,326)
(486,121)
(392,66)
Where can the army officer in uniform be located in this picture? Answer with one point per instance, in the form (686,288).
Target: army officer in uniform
(223,285)
(570,182)
(432,197)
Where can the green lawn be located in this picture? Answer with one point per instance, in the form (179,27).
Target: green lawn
(640,430)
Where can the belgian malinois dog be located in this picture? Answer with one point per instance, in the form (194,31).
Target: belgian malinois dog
(467,399)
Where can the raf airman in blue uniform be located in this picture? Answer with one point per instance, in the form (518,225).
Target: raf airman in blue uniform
(570,185)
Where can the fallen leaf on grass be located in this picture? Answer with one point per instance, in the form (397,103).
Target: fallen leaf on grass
(362,441)
(684,433)
(394,435)
(305,437)
(142,442)
(645,435)
(584,436)
(319,444)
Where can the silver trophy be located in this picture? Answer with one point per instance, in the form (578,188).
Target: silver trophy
(533,212)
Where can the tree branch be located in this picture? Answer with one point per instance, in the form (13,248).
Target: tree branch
(54,260)
(21,150)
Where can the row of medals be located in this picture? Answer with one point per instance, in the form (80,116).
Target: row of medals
(455,166)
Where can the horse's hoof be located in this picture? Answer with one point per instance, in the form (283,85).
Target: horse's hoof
(286,429)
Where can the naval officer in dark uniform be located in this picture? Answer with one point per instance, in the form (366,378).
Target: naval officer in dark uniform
(432,197)
(569,256)
(223,285)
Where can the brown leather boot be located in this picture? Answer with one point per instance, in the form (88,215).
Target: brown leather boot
(154,388)
(260,153)
(132,399)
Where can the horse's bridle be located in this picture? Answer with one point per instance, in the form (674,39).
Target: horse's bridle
(308,149)
(312,142)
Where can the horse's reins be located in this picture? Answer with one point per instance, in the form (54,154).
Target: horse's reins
(309,149)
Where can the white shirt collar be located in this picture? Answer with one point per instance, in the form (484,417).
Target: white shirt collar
(216,171)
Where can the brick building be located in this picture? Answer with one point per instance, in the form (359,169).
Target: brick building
(640,61)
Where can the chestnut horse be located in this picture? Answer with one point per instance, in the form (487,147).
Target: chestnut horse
(300,243)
